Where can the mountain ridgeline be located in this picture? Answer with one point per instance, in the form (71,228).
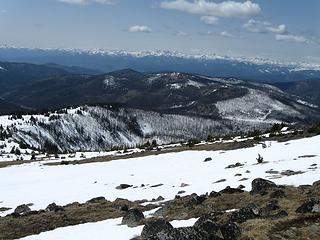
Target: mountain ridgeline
(253,69)
(127,108)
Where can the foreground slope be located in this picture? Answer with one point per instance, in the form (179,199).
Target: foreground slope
(289,163)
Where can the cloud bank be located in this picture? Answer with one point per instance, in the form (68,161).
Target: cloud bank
(228,9)
(210,20)
(84,2)
(138,28)
(292,38)
(256,26)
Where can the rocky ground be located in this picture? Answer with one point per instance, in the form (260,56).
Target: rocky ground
(268,211)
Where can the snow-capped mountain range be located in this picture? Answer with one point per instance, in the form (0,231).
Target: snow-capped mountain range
(258,69)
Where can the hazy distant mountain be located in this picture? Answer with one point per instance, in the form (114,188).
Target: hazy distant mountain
(255,69)
(307,89)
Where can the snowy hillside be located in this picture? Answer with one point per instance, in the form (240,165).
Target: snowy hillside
(96,128)
(290,163)
(104,128)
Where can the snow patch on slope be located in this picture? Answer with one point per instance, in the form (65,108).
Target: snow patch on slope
(254,106)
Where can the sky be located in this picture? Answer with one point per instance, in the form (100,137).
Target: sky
(286,30)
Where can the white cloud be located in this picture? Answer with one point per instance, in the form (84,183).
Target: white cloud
(292,38)
(226,34)
(181,34)
(210,20)
(256,26)
(84,2)
(207,8)
(138,28)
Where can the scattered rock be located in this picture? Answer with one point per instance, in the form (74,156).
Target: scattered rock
(308,206)
(181,192)
(184,233)
(290,173)
(260,186)
(230,231)
(243,179)
(124,208)
(157,185)
(160,198)
(208,159)
(198,199)
(244,214)
(155,226)
(214,194)
(161,212)
(220,181)
(97,200)
(22,209)
(307,156)
(184,185)
(235,165)
(278,194)
(230,190)
(123,186)
(207,223)
(54,208)
(133,217)
(238,175)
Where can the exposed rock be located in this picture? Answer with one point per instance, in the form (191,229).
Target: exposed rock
(278,194)
(230,231)
(244,214)
(155,226)
(235,165)
(230,190)
(273,205)
(260,186)
(214,194)
(207,223)
(156,185)
(133,217)
(309,206)
(199,199)
(220,181)
(22,209)
(161,212)
(184,185)
(181,192)
(123,186)
(184,233)
(208,159)
(124,208)
(54,208)
(97,200)
(316,208)
(160,198)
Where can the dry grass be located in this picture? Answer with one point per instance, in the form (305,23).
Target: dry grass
(17,227)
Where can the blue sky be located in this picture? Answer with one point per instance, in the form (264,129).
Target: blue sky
(278,29)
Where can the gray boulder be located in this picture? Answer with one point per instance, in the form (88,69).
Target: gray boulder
(184,233)
(133,218)
(261,186)
(155,226)
(22,209)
